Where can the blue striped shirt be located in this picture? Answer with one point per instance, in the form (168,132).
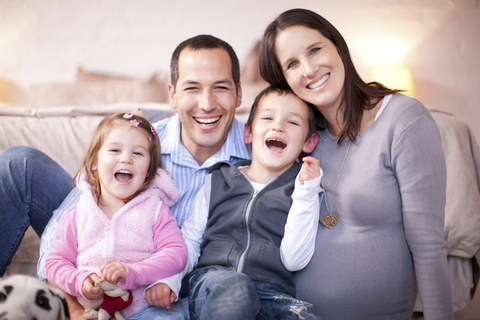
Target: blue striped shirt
(185,171)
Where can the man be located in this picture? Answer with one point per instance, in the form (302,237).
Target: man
(205,90)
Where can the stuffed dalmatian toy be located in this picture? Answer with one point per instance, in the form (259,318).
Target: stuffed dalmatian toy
(27,298)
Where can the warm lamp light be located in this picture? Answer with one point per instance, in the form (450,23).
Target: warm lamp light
(11,94)
(395,77)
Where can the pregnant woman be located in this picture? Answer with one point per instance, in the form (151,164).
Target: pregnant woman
(381,238)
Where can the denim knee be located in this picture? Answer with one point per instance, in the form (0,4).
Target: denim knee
(222,294)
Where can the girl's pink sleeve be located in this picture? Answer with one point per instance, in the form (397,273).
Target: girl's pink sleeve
(169,259)
(60,264)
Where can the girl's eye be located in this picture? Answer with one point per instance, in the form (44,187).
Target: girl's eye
(267,118)
(114,150)
(294,123)
(138,153)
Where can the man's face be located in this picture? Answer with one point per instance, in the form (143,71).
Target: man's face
(205,98)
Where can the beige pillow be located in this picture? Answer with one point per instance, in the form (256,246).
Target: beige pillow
(96,88)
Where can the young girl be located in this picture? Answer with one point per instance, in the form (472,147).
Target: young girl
(121,231)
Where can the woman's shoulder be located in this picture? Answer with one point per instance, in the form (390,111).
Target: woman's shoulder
(402,107)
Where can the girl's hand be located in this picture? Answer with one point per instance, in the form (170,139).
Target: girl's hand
(114,272)
(89,290)
(310,169)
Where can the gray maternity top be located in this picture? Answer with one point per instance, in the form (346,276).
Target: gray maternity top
(390,199)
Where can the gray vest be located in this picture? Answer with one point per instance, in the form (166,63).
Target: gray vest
(244,230)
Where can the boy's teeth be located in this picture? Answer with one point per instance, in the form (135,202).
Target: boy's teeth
(320,82)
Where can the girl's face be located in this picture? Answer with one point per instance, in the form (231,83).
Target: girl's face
(122,163)
(312,66)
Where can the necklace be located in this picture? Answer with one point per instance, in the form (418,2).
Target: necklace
(331,220)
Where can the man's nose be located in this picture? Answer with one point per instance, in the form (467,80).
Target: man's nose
(207,101)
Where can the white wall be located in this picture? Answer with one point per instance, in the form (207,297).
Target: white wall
(439,40)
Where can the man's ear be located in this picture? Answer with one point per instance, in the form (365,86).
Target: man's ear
(311,143)
(239,95)
(247,134)
(171,96)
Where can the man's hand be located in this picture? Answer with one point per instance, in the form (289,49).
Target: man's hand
(114,272)
(75,309)
(160,295)
(310,169)
(89,289)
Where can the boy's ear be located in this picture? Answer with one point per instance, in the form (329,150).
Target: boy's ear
(247,134)
(311,143)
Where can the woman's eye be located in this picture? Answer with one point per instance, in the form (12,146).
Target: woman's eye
(292,64)
(314,50)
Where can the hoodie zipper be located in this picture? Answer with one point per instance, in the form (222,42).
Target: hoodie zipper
(241,261)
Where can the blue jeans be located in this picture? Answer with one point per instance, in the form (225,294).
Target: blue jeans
(32,185)
(224,294)
(155,313)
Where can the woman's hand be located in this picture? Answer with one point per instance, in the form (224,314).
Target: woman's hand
(89,290)
(310,169)
(114,272)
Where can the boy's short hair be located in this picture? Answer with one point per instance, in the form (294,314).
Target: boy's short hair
(313,113)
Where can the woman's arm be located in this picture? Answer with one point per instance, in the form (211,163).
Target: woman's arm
(419,165)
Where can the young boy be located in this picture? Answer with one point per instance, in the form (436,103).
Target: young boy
(244,233)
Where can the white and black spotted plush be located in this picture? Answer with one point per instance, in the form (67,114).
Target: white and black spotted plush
(27,298)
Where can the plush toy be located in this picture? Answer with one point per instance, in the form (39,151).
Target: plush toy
(113,301)
(25,298)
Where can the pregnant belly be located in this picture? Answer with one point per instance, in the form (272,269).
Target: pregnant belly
(359,275)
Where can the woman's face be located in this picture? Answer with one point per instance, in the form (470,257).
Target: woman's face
(312,66)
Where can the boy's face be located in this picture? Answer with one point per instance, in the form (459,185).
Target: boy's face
(279,132)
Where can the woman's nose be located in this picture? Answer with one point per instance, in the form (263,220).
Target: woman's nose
(308,69)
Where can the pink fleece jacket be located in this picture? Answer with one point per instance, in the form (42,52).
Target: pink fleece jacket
(143,235)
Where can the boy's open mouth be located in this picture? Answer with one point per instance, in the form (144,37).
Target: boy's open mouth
(123,176)
(275,144)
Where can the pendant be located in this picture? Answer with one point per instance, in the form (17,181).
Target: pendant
(330,221)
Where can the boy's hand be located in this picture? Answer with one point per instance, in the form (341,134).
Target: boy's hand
(114,272)
(310,169)
(160,295)
(89,290)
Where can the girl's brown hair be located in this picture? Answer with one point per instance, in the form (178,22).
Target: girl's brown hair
(97,140)
(358,95)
